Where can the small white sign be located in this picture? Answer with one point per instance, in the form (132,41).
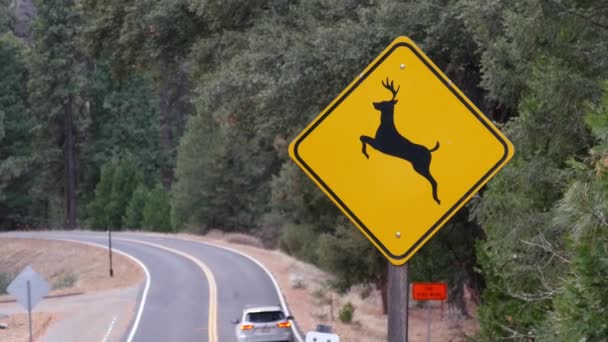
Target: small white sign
(314,336)
(38,287)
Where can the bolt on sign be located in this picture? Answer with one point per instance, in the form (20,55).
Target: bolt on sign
(429,291)
(400,150)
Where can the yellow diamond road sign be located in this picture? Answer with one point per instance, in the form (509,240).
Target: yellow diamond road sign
(400,150)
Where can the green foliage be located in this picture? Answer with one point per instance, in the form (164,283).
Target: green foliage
(580,307)
(58,112)
(5,280)
(450,257)
(1,125)
(5,16)
(64,280)
(124,123)
(134,216)
(98,209)
(113,194)
(199,164)
(127,177)
(346,313)
(351,258)
(536,58)
(15,142)
(580,304)
(157,211)
(300,241)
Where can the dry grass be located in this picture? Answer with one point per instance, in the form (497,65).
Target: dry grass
(18,327)
(243,239)
(69,267)
(236,238)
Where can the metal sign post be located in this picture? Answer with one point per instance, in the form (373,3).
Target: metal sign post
(398,299)
(427,292)
(428,327)
(28,288)
(29,307)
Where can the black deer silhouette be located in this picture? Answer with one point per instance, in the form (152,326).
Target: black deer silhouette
(390,142)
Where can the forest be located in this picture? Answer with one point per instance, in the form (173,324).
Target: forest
(176,115)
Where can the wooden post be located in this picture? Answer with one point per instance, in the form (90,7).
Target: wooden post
(110,250)
(398,299)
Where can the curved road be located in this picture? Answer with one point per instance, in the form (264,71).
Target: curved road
(178,306)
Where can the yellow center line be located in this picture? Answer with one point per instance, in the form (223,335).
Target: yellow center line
(210,279)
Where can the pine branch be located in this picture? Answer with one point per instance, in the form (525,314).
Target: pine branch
(584,17)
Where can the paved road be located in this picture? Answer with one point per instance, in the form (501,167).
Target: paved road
(177,307)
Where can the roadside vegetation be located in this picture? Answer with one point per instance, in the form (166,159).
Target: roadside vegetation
(176,116)
(5,280)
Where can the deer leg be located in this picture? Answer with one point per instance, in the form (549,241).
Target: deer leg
(364,141)
(427,174)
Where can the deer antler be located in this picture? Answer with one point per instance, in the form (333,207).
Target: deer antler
(391,86)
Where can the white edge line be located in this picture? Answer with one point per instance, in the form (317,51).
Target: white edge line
(274,281)
(144,295)
(109,331)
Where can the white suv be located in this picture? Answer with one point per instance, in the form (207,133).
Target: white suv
(264,324)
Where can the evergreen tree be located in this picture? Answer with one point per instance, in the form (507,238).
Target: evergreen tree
(57,87)
(15,147)
(114,192)
(139,35)
(157,211)
(124,125)
(581,299)
(541,58)
(98,209)
(5,16)
(198,193)
(127,177)
(134,215)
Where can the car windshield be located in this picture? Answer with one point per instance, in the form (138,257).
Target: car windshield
(264,317)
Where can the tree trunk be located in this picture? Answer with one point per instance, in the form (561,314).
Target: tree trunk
(383,287)
(164,118)
(69,165)
(457,306)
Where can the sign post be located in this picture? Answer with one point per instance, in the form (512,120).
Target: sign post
(428,292)
(28,288)
(399,152)
(398,300)
(29,307)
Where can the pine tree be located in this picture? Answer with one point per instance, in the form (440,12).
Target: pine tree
(98,211)
(15,146)
(124,125)
(541,59)
(118,182)
(157,211)
(580,304)
(134,216)
(57,87)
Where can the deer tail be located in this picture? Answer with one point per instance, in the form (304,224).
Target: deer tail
(435,148)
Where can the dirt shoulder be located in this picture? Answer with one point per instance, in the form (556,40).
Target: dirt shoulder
(312,303)
(70,268)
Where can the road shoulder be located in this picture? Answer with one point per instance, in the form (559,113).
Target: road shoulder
(84,301)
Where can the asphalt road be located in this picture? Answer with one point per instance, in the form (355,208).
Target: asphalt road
(178,306)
